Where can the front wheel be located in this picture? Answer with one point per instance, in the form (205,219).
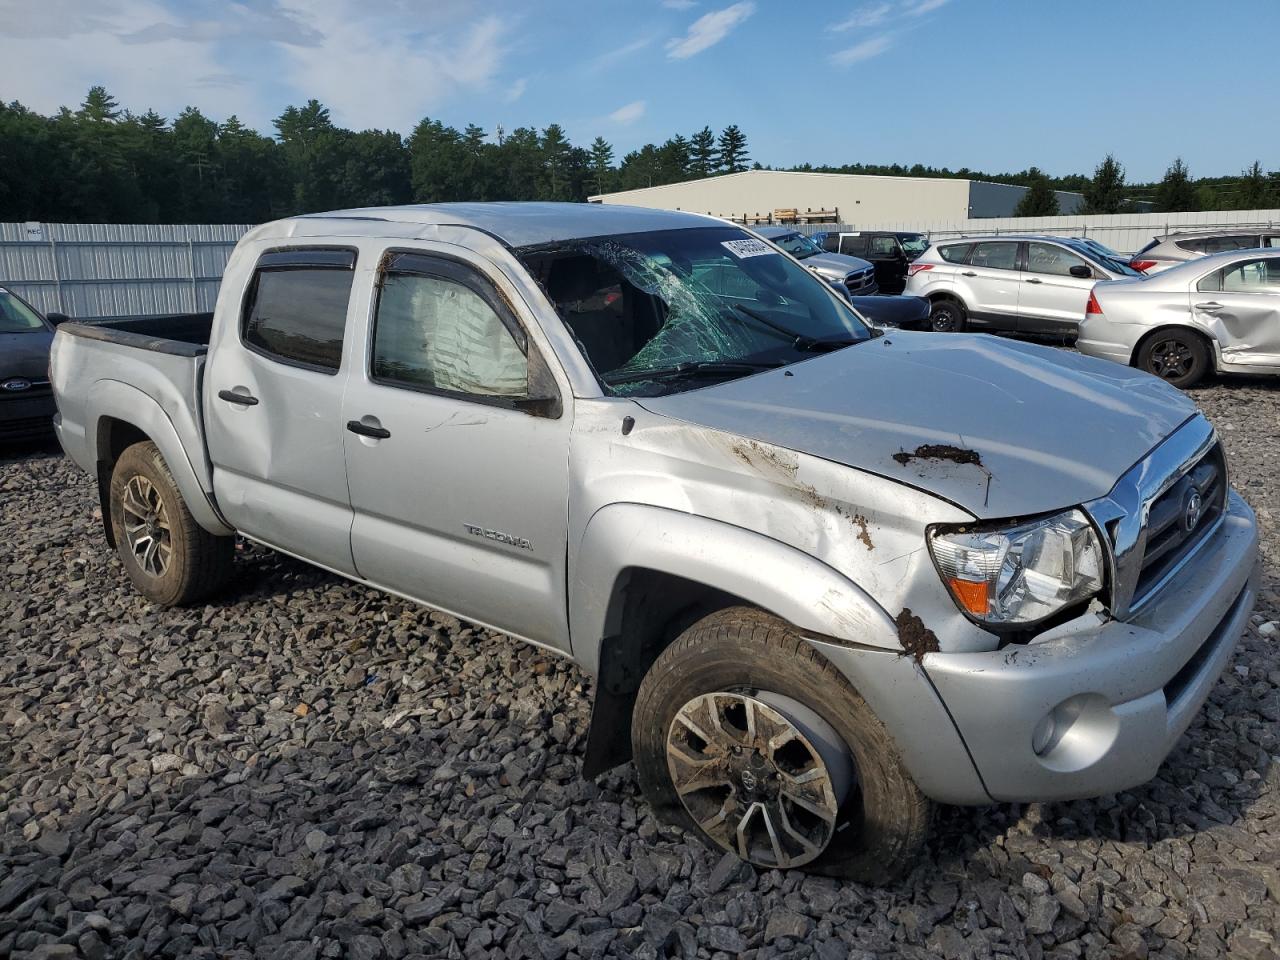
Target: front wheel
(169,557)
(746,736)
(1178,357)
(947,316)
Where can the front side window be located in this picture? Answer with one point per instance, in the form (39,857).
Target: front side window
(296,312)
(671,310)
(913,244)
(1052,260)
(995,255)
(442,331)
(16,316)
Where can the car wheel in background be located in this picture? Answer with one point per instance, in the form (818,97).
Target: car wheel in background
(170,558)
(747,737)
(946,316)
(1179,357)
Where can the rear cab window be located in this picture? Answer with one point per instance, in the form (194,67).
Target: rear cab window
(295,311)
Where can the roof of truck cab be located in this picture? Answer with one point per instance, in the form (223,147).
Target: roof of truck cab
(527,224)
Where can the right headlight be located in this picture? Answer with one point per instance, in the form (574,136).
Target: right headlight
(1016,575)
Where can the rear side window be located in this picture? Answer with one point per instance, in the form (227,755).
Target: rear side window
(884,246)
(1000,255)
(296,312)
(853,246)
(1250,276)
(955,252)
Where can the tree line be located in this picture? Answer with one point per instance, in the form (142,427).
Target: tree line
(104,164)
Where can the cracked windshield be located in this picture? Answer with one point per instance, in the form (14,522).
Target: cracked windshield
(668,311)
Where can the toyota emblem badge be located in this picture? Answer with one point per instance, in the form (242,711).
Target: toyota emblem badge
(1192,514)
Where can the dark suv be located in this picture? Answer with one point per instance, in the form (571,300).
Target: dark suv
(889,250)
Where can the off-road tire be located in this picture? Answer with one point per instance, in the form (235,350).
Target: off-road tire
(882,826)
(1195,350)
(947,316)
(200,562)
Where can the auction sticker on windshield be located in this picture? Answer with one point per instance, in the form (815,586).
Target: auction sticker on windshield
(747,248)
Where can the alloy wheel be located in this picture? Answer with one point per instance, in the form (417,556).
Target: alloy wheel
(1171,359)
(146,526)
(754,780)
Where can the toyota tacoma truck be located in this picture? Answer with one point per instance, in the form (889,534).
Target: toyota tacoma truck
(824,580)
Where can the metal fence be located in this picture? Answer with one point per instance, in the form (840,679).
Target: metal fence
(1125,232)
(96,270)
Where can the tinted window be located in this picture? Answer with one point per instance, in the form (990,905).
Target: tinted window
(1272,241)
(439,333)
(16,316)
(955,252)
(1220,244)
(853,246)
(995,255)
(1049,259)
(297,314)
(884,247)
(1250,276)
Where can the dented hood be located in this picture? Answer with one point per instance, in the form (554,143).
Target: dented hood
(1051,429)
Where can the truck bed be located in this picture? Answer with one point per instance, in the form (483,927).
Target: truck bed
(182,334)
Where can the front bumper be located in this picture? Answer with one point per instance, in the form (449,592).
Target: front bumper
(27,417)
(1120,693)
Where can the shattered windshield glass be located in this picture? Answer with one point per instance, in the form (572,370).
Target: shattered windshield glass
(672,310)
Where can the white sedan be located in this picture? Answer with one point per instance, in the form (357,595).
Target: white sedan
(1218,313)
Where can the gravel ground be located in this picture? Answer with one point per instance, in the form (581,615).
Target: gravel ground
(313,769)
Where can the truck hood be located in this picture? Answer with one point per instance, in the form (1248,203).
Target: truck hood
(1049,429)
(835,265)
(25,354)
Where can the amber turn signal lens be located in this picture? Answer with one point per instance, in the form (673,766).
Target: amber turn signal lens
(972,596)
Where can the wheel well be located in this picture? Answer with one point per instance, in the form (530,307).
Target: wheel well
(115,436)
(1146,337)
(647,611)
(935,297)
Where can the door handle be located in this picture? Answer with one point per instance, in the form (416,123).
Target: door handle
(364,430)
(244,399)
(1210,307)
(967,273)
(1034,280)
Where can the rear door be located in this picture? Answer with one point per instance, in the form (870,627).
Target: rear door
(458,479)
(988,283)
(273,402)
(1241,304)
(1051,300)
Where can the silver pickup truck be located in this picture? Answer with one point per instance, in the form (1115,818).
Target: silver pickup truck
(824,579)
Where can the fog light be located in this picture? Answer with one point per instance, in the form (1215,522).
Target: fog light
(1043,735)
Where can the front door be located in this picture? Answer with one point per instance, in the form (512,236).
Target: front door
(1241,303)
(989,284)
(885,252)
(457,446)
(1051,299)
(273,403)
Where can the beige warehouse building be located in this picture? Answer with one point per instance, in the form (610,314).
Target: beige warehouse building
(848,198)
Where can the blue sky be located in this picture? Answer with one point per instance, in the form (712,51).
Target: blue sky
(988,84)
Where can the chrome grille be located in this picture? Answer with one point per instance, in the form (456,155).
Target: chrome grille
(1172,530)
(859,281)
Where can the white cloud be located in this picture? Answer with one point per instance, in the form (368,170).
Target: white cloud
(516,90)
(867,16)
(709,29)
(920,7)
(862,51)
(628,113)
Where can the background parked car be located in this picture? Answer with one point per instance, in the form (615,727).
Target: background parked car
(1165,252)
(26,400)
(858,276)
(1215,313)
(1020,284)
(890,250)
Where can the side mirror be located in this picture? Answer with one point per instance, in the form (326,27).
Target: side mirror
(56,318)
(1082,272)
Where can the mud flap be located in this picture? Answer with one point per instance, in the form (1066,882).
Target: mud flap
(104,502)
(609,738)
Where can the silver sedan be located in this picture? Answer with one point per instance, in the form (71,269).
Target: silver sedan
(1217,313)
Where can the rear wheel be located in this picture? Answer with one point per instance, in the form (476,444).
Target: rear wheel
(744,735)
(947,316)
(170,558)
(1179,357)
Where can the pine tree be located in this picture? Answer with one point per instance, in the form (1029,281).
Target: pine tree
(555,161)
(1176,193)
(601,164)
(1105,192)
(733,150)
(703,158)
(1257,191)
(99,106)
(1039,200)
